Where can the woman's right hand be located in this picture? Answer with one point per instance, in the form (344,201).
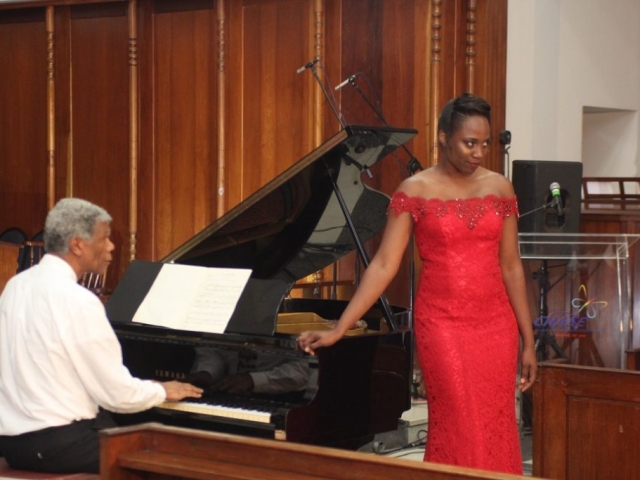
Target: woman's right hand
(310,341)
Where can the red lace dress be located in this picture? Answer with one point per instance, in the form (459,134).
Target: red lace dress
(466,332)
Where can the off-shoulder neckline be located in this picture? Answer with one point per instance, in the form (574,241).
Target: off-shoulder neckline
(489,196)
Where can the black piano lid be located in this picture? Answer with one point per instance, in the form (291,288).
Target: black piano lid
(288,229)
(293,226)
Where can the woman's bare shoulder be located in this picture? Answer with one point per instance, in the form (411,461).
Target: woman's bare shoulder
(499,184)
(419,184)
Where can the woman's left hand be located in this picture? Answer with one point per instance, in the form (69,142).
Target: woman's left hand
(529,370)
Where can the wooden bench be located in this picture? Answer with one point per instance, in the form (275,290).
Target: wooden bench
(158,451)
(6,472)
(9,253)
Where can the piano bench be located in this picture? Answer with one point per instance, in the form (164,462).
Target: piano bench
(6,472)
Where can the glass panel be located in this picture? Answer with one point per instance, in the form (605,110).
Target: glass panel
(578,286)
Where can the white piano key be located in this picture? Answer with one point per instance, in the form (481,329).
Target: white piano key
(218,410)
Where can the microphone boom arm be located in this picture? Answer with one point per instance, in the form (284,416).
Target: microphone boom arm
(414,164)
(312,66)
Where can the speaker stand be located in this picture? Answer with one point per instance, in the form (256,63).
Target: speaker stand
(544,337)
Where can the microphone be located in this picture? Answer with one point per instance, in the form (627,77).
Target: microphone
(308,65)
(347,80)
(556,198)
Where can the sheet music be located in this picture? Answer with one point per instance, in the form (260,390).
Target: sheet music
(186,297)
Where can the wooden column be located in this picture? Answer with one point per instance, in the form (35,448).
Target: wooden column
(318,52)
(436,78)
(222,153)
(51,110)
(471,45)
(134,122)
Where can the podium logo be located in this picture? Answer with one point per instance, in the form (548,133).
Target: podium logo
(587,306)
(573,324)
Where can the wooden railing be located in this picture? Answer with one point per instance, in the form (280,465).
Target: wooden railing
(157,451)
(621,193)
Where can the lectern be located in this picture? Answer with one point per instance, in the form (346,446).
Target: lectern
(579,293)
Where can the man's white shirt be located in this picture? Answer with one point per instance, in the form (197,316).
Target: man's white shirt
(59,357)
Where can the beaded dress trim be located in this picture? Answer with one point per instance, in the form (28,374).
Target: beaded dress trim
(470,210)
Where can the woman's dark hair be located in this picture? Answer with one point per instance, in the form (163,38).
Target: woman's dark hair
(458,109)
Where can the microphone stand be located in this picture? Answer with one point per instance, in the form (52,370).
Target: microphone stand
(384,303)
(543,207)
(413,166)
(334,109)
(342,122)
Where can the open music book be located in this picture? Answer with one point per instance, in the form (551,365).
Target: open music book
(186,297)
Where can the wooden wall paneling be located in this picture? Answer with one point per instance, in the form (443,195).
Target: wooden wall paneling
(362,40)
(379,44)
(360,51)
(180,160)
(327,34)
(404,44)
(451,77)
(468,53)
(421,145)
(328,44)
(23,116)
(422,121)
(194,105)
(146,248)
(491,69)
(100,116)
(270,123)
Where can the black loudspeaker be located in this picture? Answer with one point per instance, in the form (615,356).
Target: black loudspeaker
(532,181)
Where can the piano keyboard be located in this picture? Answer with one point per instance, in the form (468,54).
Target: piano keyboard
(219,410)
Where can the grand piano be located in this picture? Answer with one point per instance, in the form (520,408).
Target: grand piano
(310,216)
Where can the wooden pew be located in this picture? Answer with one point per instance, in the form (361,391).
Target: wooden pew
(158,451)
(586,423)
(8,473)
(632,359)
(8,262)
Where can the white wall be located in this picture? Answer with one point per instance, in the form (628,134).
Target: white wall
(565,56)
(609,144)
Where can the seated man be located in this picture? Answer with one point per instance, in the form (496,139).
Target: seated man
(60,361)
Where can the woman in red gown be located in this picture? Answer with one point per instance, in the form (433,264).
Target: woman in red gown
(471,305)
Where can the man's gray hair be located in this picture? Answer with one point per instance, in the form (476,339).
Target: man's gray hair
(71,217)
